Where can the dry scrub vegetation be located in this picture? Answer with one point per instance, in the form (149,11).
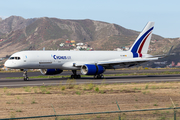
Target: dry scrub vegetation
(72,98)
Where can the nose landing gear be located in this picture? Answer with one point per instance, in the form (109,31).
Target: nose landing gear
(25,75)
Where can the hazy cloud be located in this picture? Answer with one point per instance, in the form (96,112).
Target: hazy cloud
(4,17)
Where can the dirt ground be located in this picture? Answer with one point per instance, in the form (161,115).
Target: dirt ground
(70,99)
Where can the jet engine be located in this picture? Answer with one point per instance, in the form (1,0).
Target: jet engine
(50,71)
(90,69)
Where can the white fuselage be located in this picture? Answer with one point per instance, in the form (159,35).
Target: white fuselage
(62,59)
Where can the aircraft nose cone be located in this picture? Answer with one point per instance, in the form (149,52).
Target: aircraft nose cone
(6,64)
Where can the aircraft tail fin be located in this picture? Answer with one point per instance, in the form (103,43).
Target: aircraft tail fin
(142,42)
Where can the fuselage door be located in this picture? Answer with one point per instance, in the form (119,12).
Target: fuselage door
(25,58)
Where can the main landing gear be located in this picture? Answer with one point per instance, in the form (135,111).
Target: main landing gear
(25,75)
(100,76)
(74,75)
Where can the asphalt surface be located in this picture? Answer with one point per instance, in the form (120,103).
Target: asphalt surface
(4,82)
(30,74)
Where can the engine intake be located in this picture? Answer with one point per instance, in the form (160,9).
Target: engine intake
(50,71)
(89,69)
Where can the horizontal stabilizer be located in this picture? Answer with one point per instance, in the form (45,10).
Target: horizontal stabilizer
(165,55)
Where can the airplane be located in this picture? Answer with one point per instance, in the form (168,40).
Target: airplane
(88,62)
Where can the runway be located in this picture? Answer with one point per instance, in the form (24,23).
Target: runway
(85,80)
(30,74)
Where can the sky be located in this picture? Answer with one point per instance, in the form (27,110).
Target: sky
(131,14)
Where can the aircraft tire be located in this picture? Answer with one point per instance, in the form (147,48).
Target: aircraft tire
(78,76)
(98,76)
(26,79)
(75,76)
(102,76)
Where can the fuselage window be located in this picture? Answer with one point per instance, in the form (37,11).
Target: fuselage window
(16,58)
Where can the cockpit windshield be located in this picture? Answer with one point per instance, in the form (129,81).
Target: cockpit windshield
(14,58)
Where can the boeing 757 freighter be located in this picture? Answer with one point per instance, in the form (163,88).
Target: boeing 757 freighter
(88,62)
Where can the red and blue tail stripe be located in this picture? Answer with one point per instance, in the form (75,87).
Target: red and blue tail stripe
(137,48)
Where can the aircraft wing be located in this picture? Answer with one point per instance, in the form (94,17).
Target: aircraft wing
(131,61)
(126,61)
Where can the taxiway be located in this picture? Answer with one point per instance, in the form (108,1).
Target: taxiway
(4,82)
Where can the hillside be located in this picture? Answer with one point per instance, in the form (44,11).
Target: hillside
(33,34)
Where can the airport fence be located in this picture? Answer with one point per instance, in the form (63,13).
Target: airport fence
(149,114)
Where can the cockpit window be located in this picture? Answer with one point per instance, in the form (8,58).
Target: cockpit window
(11,58)
(14,58)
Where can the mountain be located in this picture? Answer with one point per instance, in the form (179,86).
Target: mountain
(14,23)
(34,34)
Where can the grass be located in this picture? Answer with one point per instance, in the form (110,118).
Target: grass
(78,93)
(71,83)
(43,90)
(155,105)
(48,92)
(33,101)
(12,115)
(96,89)
(17,97)
(8,102)
(102,91)
(18,110)
(137,88)
(134,91)
(146,92)
(90,86)
(8,93)
(35,90)
(155,87)
(5,88)
(146,87)
(63,88)
(27,89)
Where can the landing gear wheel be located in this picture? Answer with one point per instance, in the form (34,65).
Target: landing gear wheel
(102,76)
(26,78)
(74,75)
(79,76)
(99,76)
